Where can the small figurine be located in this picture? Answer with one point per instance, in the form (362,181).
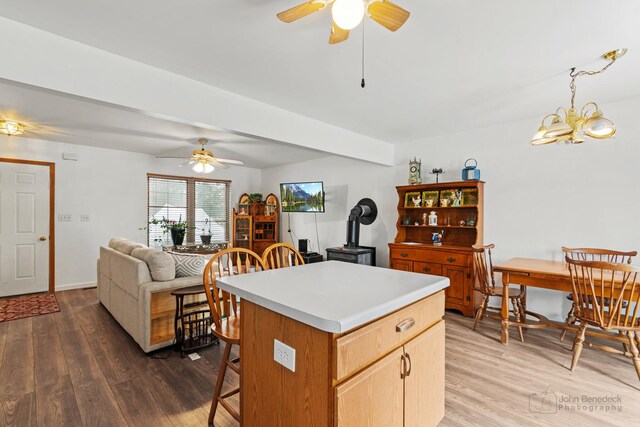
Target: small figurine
(461,223)
(417,201)
(424,218)
(437,239)
(433,219)
(457,198)
(416,223)
(415,176)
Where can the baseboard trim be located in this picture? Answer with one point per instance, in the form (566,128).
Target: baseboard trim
(76,286)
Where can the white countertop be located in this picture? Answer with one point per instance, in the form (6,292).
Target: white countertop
(333,296)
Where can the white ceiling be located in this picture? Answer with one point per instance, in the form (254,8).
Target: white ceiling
(455,65)
(64,118)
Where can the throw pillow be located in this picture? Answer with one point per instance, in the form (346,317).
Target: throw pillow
(188,264)
(161,265)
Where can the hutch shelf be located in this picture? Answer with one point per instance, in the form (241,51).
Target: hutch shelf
(461,226)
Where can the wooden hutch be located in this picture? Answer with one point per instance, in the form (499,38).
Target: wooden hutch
(459,220)
(256,224)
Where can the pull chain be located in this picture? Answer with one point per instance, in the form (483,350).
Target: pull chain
(362,84)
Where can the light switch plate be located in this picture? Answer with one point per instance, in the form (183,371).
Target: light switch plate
(64,218)
(284,355)
(84,218)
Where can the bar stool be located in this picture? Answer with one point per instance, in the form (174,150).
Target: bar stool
(226,316)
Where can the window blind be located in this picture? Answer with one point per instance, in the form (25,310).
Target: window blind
(188,199)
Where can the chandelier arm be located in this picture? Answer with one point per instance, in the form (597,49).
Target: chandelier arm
(585,110)
(547,116)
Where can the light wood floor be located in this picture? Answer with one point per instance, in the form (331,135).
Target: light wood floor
(79,368)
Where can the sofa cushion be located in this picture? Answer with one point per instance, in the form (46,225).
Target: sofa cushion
(128,247)
(117,243)
(188,264)
(161,265)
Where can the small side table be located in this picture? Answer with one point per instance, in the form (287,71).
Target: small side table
(192,329)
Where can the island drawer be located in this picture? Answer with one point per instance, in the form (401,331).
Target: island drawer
(358,349)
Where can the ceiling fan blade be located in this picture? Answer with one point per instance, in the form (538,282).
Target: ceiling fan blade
(163,157)
(231,162)
(300,11)
(387,14)
(215,163)
(337,34)
(182,164)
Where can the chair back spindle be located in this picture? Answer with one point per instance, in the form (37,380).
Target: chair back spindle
(606,294)
(483,268)
(281,255)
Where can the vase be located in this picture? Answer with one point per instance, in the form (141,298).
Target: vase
(177,236)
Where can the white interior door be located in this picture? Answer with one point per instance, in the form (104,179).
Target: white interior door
(24,228)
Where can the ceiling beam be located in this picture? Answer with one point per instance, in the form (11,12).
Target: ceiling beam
(43,59)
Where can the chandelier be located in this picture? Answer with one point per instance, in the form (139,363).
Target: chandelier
(574,125)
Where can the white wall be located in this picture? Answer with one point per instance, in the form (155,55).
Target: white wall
(537,198)
(110,186)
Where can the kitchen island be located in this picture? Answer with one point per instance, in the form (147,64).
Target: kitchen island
(355,346)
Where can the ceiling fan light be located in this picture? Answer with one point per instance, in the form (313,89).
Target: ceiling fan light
(11,128)
(208,168)
(558,128)
(198,168)
(598,126)
(347,14)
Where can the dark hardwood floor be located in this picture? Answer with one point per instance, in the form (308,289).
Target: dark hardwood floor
(79,368)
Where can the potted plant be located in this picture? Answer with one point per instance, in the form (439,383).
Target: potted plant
(177,229)
(206,237)
(255,198)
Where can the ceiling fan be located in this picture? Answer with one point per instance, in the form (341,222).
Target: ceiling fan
(347,14)
(203,161)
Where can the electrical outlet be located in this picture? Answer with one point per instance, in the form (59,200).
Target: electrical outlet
(84,218)
(284,355)
(64,218)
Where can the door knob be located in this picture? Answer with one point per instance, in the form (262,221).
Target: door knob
(43,238)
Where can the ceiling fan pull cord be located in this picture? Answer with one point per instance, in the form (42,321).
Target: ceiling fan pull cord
(362,82)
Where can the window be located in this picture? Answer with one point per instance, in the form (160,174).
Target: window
(201,202)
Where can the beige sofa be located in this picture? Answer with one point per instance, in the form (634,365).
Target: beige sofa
(144,308)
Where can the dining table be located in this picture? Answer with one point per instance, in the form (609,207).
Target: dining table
(537,273)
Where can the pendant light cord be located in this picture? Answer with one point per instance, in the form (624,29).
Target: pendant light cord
(362,81)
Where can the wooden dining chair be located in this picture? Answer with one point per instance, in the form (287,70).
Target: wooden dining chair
(280,255)
(485,283)
(592,254)
(225,315)
(607,295)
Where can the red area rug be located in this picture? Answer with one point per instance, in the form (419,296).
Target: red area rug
(27,306)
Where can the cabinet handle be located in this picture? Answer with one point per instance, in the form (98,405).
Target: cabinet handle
(451,259)
(408,358)
(426,269)
(404,255)
(403,370)
(405,325)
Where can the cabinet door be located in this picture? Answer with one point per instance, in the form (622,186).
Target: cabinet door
(424,383)
(401,264)
(374,397)
(457,291)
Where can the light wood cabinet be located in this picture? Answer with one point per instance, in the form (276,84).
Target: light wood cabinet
(381,374)
(413,249)
(408,385)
